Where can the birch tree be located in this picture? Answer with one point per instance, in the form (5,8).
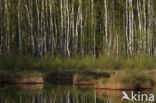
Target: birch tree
(19,27)
(72,26)
(106,23)
(77,27)
(61,34)
(1,30)
(7,26)
(150,31)
(68,30)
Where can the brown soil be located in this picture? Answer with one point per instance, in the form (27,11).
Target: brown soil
(28,80)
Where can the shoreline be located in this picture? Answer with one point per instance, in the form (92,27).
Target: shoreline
(83,79)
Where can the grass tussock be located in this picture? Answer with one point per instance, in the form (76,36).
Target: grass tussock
(132,77)
(126,80)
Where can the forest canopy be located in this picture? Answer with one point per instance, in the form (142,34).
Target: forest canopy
(78,27)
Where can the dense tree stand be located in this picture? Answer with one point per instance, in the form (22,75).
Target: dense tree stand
(78,27)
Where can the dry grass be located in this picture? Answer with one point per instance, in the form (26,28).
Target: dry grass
(151,74)
(126,82)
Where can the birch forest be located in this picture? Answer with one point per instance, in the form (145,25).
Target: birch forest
(78,27)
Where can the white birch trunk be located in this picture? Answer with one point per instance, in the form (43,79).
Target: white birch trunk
(127,37)
(30,21)
(65,27)
(68,27)
(130,28)
(1,39)
(72,25)
(81,27)
(140,27)
(145,23)
(93,29)
(38,28)
(44,27)
(62,30)
(106,23)
(150,32)
(53,44)
(19,28)
(7,24)
(77,27)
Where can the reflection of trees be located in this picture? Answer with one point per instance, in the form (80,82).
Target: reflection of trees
(61,95)
(114,96)
(67,96)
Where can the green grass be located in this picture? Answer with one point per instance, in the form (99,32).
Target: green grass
(50,63)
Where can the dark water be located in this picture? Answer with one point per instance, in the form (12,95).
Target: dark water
(61,94)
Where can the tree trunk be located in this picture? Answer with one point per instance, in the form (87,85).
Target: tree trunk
(62,30)
(72,26)
(19,28)
(106,25)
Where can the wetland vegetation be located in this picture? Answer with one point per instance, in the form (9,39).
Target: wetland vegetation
(100,44)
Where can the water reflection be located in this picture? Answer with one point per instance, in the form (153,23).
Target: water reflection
(60,94)
(115,95)
(29,86)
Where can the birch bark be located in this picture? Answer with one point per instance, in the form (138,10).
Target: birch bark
(150,31)
(106,24)
(19,28)
(68,27)
(62,30)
